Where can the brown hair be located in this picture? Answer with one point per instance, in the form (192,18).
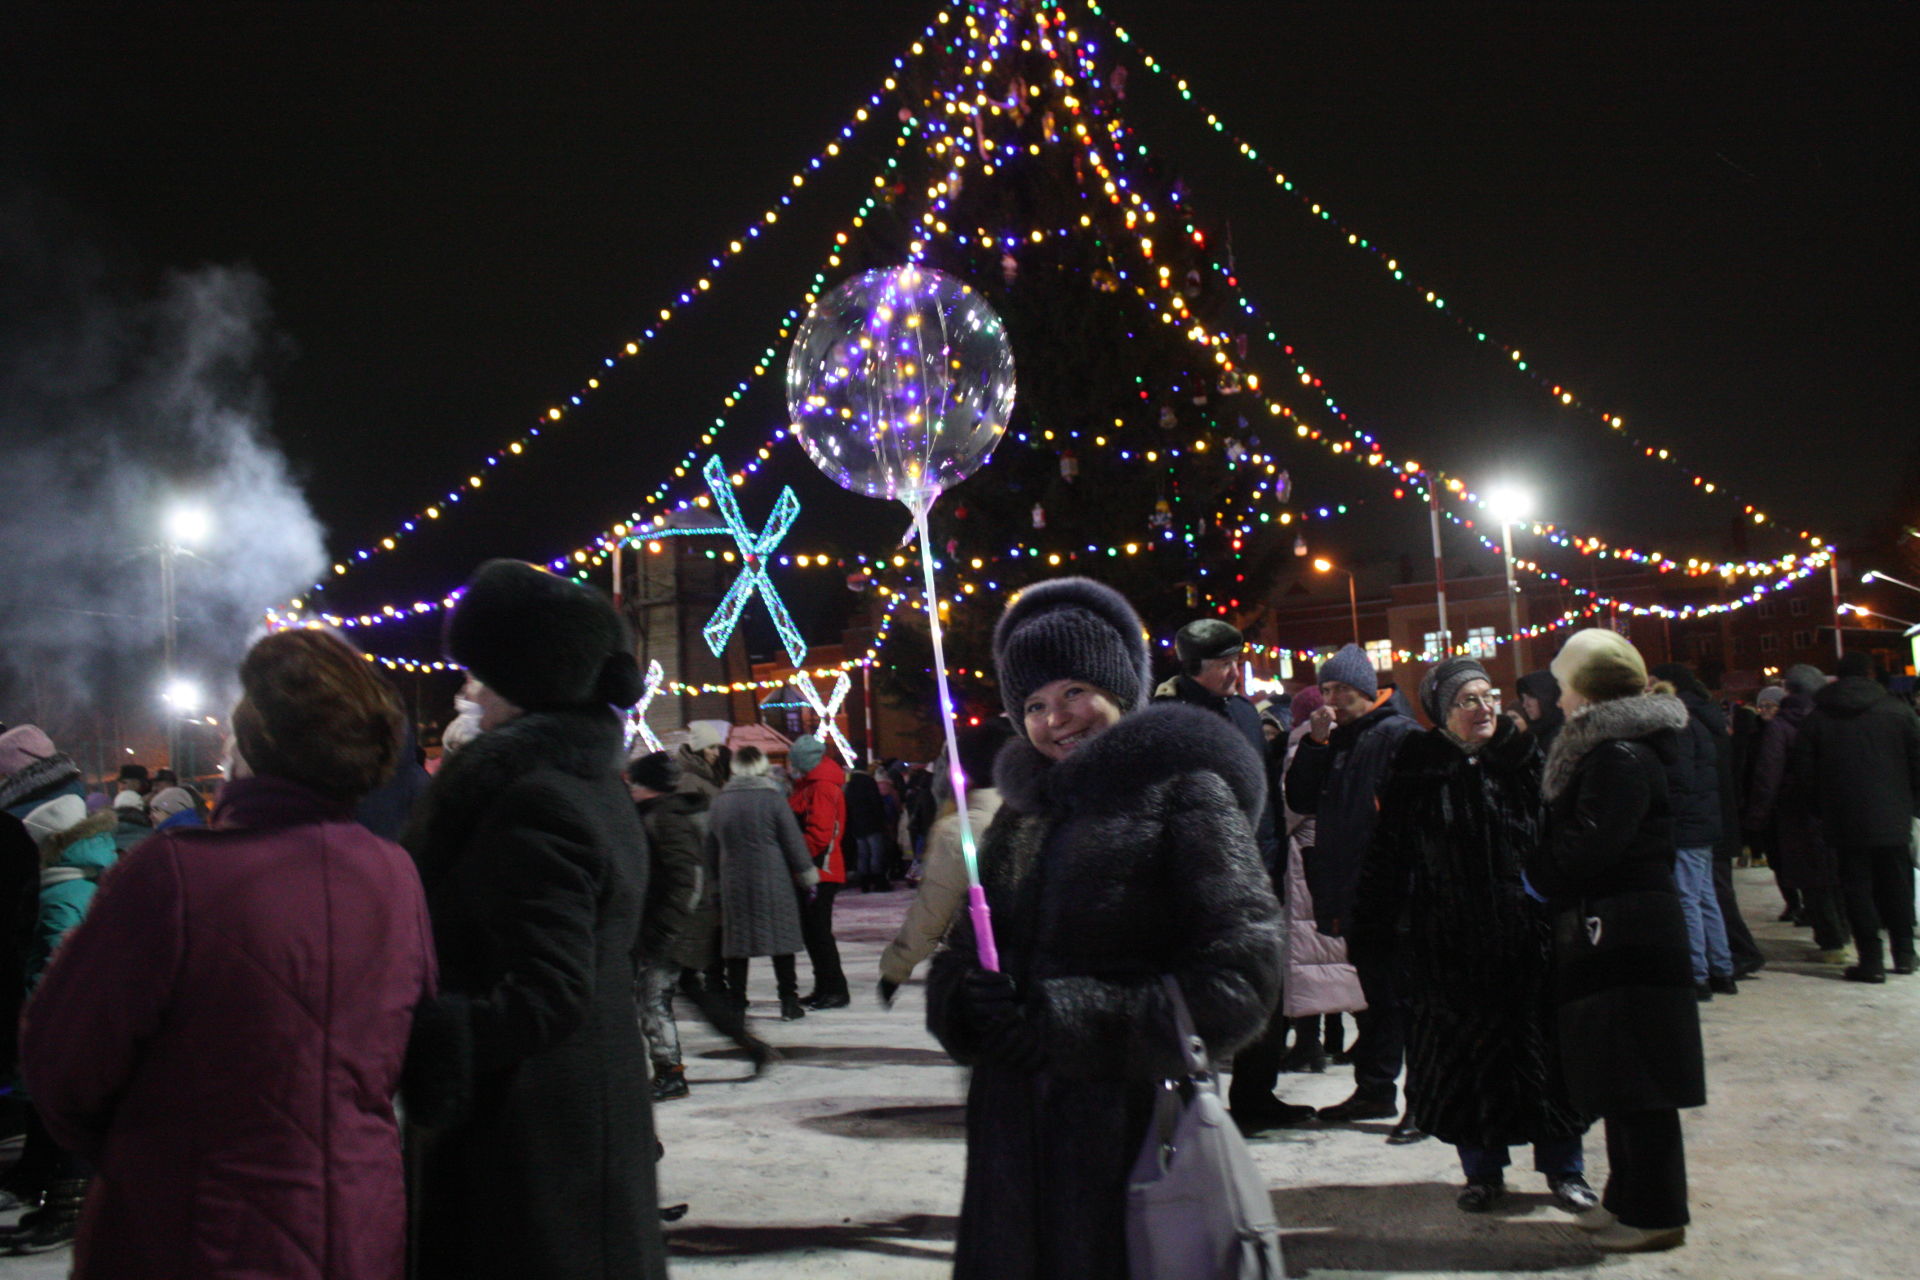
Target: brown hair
(313,711)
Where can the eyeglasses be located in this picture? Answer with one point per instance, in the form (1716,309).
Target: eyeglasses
(1479,702)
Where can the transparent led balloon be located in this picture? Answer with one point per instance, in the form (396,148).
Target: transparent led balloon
(900,383)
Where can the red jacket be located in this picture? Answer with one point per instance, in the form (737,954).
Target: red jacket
(820,802)
(223,1038)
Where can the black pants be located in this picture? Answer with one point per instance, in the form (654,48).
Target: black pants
(1746,952)
(1878,885)
(1822,909)
(786,979)
(1256,1069)
(816,928)
(1381,1047)
(1646,1170)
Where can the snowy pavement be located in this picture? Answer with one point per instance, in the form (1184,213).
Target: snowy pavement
(845,1160)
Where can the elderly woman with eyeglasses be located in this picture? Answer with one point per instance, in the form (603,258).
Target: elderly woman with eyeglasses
(1442,889)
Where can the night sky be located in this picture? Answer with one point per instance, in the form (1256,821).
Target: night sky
(1699,216)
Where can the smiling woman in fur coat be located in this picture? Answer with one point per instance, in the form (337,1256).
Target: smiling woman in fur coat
(529,1071)
(1123,850)
(1629,1023)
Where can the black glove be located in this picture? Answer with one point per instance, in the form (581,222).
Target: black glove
(1015,1043)
(991,999)
(888,990)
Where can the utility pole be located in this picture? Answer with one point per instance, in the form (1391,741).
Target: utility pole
(1439,566)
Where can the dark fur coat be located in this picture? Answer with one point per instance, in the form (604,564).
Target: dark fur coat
(1442,890)
(1628,1022)
(1132,858)
(530,1067)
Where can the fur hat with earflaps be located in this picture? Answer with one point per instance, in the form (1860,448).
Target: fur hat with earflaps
(540,641)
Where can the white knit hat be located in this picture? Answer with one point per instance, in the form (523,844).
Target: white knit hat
(702,734)
(58,814)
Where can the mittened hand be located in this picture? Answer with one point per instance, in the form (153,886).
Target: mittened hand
(991,997)
(1015,1042)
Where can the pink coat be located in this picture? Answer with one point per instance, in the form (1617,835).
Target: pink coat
(223,1037)
(1319,978)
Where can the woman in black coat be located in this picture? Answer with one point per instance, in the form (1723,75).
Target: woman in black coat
(1629,1023)
(528,1073)
(1123,851)
(1460,814)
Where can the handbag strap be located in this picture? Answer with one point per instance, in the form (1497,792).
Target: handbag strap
(1192,1047)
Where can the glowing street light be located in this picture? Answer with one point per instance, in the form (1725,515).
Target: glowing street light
(1874,575)
(182,695)
(187,525)
(1323,565)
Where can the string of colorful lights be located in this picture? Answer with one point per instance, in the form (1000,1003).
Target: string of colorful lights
(558,413)
(1433,300)
(958,132)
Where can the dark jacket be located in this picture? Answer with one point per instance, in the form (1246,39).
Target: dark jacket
(1339,783)
(1628,1022)
(760,853)
(1443,884)
(676,874)
(1860,749)
(387,809)
(236,1090)
(1238,712)
(1132,858)
(866,810)
(1546,689)
(1694,774)
(535,867)
(1780,803)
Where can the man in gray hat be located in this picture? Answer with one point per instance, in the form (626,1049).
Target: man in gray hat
(1210,652)
(1337,775)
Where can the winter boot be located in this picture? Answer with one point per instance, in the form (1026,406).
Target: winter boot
(671,1083)
(52,1225)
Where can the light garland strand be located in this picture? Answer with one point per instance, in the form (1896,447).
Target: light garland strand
(1516,359)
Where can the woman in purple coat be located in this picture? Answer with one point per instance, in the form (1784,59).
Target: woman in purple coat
(223,1037)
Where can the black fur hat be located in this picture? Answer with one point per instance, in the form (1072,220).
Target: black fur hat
(540,641)
(1071,628)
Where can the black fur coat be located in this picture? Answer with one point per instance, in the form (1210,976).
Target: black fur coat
(530,1066)
(1442,888)
(1132,858)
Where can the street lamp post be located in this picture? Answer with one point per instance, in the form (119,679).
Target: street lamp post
(1324,565)
(185,527)
(1510,505)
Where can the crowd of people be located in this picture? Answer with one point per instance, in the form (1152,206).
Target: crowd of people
(367,1024)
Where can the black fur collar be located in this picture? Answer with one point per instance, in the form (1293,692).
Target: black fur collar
(1620,720)
(1162,741)
(1435,750)
(581,742)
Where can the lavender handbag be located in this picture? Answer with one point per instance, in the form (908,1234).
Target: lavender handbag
(1197,1207)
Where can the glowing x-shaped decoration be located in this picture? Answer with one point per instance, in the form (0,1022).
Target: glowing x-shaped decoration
(753,553)
(637,718)
(828,710)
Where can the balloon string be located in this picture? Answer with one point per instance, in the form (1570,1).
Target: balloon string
(969,852)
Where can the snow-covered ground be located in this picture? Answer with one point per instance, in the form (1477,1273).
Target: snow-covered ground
(846,1159)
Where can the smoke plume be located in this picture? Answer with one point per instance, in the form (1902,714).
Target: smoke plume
(118,404)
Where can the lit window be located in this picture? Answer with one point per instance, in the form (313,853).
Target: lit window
(1433,646)
(1380,652)
(1480,642)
